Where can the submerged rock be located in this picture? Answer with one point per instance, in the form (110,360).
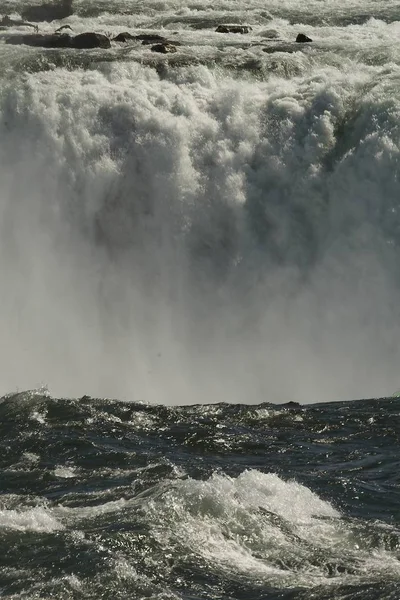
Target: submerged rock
(302,39)
(288,48)
(233,29)
(164,48)
(50,11)
(270,34)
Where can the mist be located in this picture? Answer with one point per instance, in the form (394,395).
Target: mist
(196,239)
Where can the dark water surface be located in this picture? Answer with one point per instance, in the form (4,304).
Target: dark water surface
(105,499)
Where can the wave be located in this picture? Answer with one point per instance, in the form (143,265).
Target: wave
(259,526)
(254,530)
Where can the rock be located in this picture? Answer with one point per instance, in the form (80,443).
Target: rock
(164,48)
(150,37)
(48,11)
(62,40)
(145,38)
(124,37)
(53,40)
(302,39)
(164,42)
(90,40)
(233,29)
(150,41)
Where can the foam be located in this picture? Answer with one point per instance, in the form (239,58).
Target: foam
(258,525)
(36,519)
(65,472)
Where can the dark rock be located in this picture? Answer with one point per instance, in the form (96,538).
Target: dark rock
(48,11)
(150,37)
(233,29)
(164,48)
(302,39)
(62,40)
(145,38)
(90,40)
(124,36)
(53,40)
(158,39)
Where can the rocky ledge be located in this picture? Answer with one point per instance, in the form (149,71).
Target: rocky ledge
(158,43)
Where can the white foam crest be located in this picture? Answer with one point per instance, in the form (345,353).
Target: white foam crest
(36,519)
(75,514)
(65,472)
